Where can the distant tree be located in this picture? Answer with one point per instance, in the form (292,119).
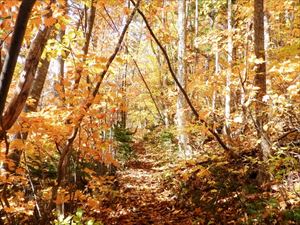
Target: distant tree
(229,70)
(181,75)
(260,77)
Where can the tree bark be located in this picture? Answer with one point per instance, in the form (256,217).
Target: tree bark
(38,85)
(14,51)
(58,76)
(217,73)
(184,149)
(26,79)
(229,70)
(260,77)
(196,16)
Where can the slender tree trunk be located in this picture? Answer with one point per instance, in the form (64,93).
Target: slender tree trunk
(184,149)
(37,87)
(196,16)
(267,42)
(217,73)
(124,97)
(26,78)
(229,70)
(213,25)
(88,34)
(196,64)
(164,86)
(242,83)
(14,50)
(266,34)
(260,78)
(61,71)
(58,77)
(123,103)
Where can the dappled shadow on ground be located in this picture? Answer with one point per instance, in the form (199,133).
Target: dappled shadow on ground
(208,189)
(142,197)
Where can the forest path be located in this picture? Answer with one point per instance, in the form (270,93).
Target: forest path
(143,198)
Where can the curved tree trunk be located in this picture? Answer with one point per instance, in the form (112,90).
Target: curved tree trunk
(18,101)
(14,51)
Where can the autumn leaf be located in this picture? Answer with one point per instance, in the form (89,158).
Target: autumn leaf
(50,21)
(17,144)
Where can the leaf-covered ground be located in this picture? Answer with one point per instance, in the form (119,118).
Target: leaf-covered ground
(143,198)
(157,188)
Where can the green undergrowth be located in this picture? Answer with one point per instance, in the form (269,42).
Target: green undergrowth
(78,218)
(124,139)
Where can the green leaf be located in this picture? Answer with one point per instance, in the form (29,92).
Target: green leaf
(90,222)
(79,213)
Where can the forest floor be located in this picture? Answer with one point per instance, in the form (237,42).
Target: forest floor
(156,187)
(143,198)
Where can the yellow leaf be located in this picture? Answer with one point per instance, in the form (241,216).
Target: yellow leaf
(203,173)
(259,61)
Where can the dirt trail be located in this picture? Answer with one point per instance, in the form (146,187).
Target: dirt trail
(143,199)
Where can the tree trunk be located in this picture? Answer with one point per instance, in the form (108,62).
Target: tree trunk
(196,64)
(14,50)
(26,78)
(37,87)
(184,149)
(58,75)
(217,73)
(163,86)
(260,78)
(196,17)
(266,34)
(88,35)
(229,70)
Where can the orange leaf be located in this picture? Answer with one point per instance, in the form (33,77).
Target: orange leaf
(50,21)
